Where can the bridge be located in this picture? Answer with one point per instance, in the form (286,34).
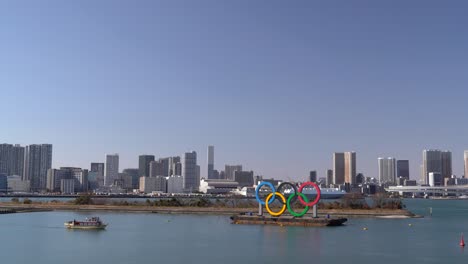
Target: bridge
(443,190)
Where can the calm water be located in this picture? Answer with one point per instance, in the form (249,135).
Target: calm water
(156,238)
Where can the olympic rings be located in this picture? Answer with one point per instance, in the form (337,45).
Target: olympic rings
(291,211)
(282,209)
(257,196)
(284,185)
(317,198)
(287,203)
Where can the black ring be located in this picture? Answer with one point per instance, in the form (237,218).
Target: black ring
(279,189)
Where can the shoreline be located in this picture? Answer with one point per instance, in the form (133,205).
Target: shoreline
(348,213)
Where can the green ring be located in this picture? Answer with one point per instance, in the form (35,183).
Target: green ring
(291,210)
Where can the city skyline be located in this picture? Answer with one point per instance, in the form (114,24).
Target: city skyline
(289,84)
(444,157)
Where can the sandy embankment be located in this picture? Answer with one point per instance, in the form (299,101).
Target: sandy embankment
(196,210)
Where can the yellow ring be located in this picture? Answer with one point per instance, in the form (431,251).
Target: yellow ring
(282,209)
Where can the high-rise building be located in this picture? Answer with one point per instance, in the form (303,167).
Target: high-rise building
(229,171)
(175,167)
(244,178)
(97,169)
(112,169)
(329,174)
(387,171)
(165,166)
(313,176)
(436,161)
(144,163)
(403,169)
(190,171)
(446,157)
(134,174)
(80,177)
(156,169)
(338,167)
(38,160)
(344,167)
(465,159)
(350,167)
(11,159)
(211,162)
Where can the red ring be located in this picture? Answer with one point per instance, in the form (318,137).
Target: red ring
(317,199)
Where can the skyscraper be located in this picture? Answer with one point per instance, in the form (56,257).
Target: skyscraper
(344,167)
(175,167)
(112,169)
(387,171)
(403,169)
(229,171)
(134,174)
(350,167)
(38,160)
(210,162)
(189,171)
(313,176)
(11,159)
(329,174)
(165,166)
(143,164)
(98,170)
(156,169)
(465,159)
(338,167)
(446,164)
(437,161)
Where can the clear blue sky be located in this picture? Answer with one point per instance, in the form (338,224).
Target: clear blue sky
(277,86)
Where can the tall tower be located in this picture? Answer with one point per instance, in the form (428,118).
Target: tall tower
(11,159)
(210,162)
(387,171)
(229,171)
(403,169)
(38,160)
(338,168)
(350,167)
(344,167)
(438,162)
(446,166)
(144,163)
(465,159)
(112,169)
(191,178)
(98,168)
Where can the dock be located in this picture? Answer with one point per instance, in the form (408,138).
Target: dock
(286,221)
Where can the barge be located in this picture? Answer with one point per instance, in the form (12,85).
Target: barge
(286,221)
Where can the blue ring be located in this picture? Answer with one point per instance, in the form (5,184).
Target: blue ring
(258,189)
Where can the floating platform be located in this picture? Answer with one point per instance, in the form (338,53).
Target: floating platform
(286,221)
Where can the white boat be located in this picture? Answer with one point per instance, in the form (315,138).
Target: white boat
(89,223)
(325,193)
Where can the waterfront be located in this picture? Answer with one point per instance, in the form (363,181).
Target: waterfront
(138,237)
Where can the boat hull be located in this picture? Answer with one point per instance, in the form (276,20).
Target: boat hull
(72,226)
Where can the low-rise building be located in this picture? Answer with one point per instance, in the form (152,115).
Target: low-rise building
(217,186)
(410,183)
(461,181)
(153,184)
(16,184)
